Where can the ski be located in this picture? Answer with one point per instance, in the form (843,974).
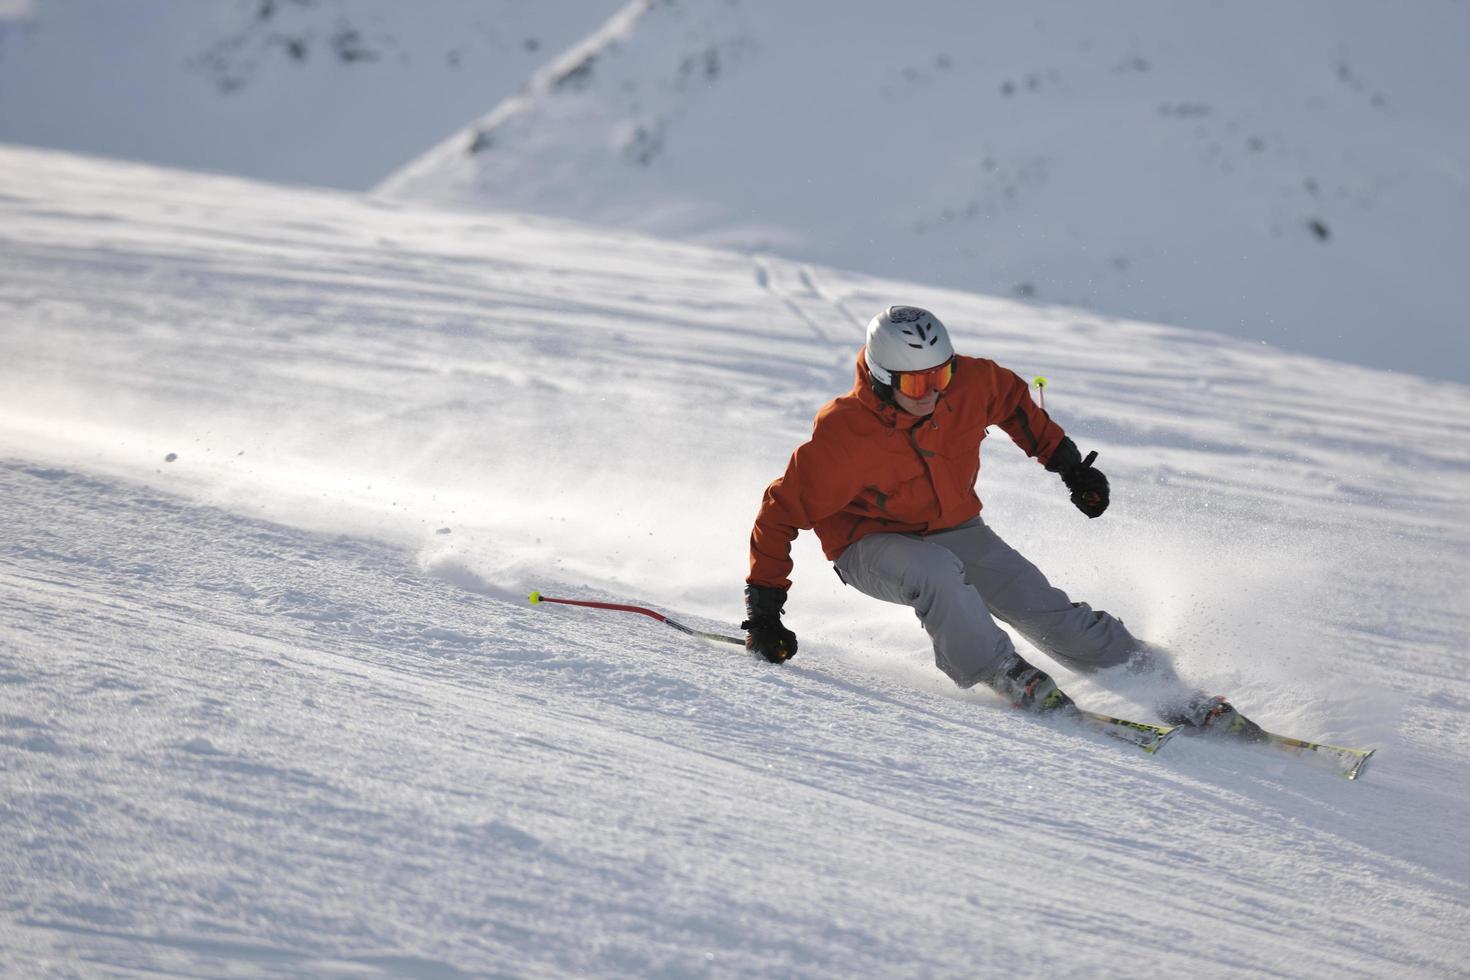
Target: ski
(1344,761)
(1224,723)
(1334,758)
(1148,737)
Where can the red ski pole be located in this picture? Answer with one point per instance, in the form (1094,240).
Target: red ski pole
(537,598)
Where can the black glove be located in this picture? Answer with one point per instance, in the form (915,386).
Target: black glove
(1089,487)
(764,633)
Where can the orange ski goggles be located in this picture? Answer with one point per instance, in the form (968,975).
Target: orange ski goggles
(917,384)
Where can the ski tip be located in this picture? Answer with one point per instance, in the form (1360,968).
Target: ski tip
(535,598)
(1357,769)
(1164,737)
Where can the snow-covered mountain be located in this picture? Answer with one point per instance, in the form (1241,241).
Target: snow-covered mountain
(278,468)
(1295,174)
(330,92)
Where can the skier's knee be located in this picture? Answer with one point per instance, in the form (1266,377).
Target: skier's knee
(924,583)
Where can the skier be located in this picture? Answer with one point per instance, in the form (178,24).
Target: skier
(887,481)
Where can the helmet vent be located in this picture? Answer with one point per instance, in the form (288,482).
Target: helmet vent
(921,331)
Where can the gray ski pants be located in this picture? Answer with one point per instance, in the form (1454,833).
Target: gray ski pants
(957,580)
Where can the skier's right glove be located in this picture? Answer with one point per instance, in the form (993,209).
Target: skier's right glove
(764,633)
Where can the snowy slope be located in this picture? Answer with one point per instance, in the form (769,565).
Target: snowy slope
(279,707)
(329,92)
(1291,173)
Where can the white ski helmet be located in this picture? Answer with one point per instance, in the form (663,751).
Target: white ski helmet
(905,338)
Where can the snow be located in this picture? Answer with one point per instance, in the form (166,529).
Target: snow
(1295,174)
(279,706)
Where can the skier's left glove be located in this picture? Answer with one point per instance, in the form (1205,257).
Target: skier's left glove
(764,633)
(1088,485)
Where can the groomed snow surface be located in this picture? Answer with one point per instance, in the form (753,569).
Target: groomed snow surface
(278,469)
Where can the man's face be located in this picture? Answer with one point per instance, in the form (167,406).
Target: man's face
(917,406)
(917,392)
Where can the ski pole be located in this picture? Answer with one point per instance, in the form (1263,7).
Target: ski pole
(537,598)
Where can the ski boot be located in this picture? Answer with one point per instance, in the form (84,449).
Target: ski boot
(1202,714)
(1031,689)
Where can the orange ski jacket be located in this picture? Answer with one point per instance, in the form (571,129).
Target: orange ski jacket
(871,467)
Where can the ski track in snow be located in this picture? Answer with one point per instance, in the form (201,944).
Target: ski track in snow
(279,707)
